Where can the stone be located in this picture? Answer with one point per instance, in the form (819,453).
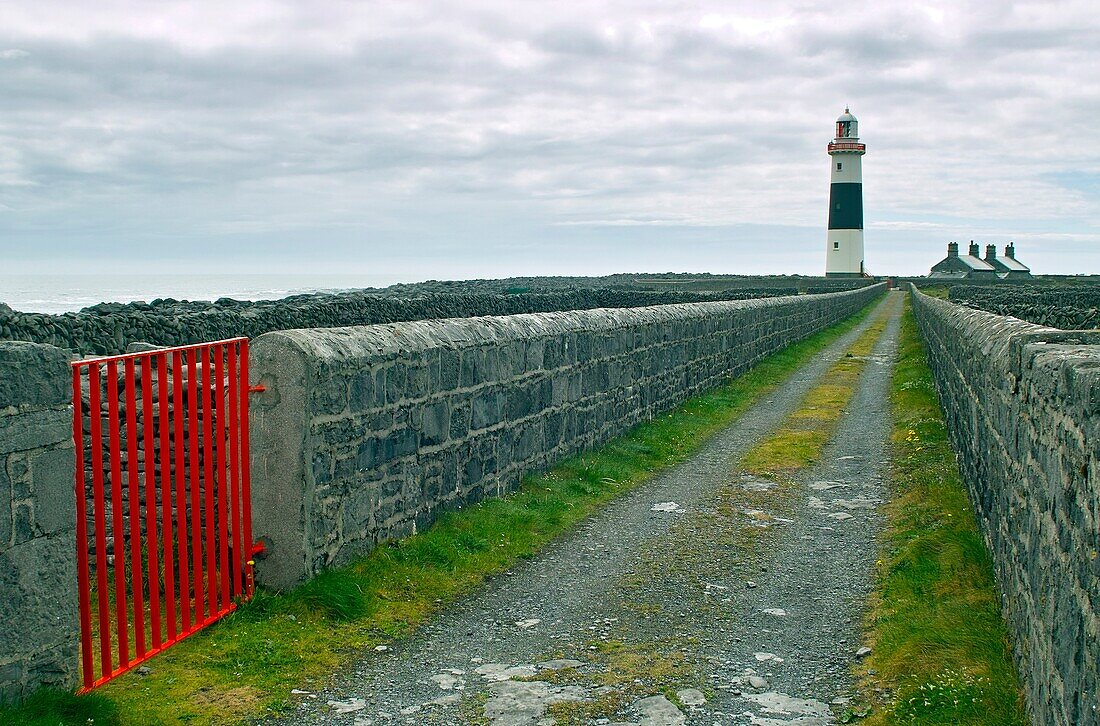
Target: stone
(447,681)
(559,664)
(665,507)
(35,430)
(863,652)
(34,374)
(503,671)
(691,697)
(524,703)
(351,705)
(758,682)
(808,712)
(659,711)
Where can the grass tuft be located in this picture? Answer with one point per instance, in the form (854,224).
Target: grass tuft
(50,707)
(940,647)
(336,595)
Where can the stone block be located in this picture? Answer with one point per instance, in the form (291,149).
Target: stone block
(52,476)
(35,429)
(5,506)
(367,391)
(32,374)
(435,423)
(40,633)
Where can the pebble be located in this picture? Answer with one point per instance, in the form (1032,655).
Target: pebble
(863,652)
(750,584)
(349,706)
(760,684)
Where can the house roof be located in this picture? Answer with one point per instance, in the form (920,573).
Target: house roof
(975,263)
(1013,264)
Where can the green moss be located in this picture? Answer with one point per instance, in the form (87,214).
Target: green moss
(798,443)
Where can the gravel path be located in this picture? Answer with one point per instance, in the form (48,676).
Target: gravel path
(702,597)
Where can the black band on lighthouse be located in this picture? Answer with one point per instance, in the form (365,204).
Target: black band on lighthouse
(846,205)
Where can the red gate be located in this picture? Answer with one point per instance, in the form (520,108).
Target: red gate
(162,483)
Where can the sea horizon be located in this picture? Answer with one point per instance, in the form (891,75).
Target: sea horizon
(62,293)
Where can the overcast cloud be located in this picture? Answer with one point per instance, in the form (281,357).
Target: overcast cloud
(443,139)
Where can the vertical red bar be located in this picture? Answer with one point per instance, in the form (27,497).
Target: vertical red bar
(194,480)
(132,471)
(83,585)
(181,493)
(234,495)
(151,538)
(246,471)
(99,502)
(208,484)
(223,489)
(166,496)
(117,530)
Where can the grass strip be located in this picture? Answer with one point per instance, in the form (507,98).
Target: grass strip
(798,443)
(940,648)
(246,665)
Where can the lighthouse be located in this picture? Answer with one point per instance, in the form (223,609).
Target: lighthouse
(844,254)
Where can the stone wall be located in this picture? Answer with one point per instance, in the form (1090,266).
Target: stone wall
(108,328)
(38,609)
(1023,409)
(367,433)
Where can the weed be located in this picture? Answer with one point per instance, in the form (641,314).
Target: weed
(50,707)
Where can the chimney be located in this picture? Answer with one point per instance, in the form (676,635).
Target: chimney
(952,249)
(1010,251)
(990,253)
(974,251)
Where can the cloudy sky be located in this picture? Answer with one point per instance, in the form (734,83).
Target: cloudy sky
(425,138)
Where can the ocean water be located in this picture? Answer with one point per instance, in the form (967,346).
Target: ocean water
(65,293)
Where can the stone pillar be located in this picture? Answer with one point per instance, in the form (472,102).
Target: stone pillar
(39,628)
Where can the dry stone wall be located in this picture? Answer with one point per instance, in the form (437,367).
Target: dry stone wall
(1023,409)
(366,433)
(38,622)
(108,328)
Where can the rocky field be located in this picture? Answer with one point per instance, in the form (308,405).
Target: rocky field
(108,328)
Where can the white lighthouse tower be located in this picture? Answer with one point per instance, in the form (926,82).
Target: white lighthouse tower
(844,255)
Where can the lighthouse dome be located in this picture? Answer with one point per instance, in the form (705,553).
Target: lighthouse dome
(846,126)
